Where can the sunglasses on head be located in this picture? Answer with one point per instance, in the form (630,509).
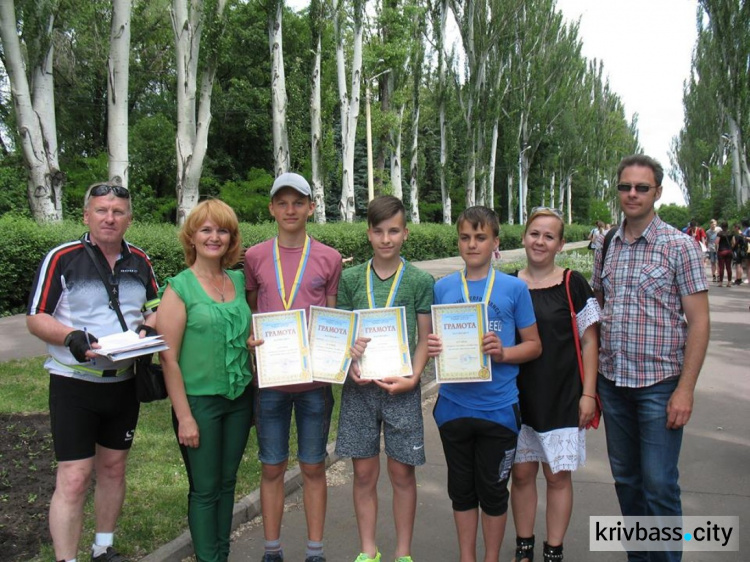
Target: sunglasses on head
(105,188)
(550,209)
(639,187)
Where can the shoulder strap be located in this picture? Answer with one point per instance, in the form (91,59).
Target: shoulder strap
(576,337)
(607,240)
(113,301)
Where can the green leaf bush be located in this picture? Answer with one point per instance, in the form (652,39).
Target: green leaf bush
(23,244)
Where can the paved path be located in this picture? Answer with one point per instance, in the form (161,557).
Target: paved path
(714,465)
(15,340)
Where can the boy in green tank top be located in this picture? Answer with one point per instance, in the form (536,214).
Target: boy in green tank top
(393,403)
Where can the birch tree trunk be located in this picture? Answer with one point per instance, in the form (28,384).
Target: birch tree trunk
(471,174)
(396,137)
(523,166)
(510,197)
(740,174)
(745,173)
(481,163)
(316,124)
(349,105)
(193,114)
(118,67)
(493,160)
(551,191)
(444,192)
(278,88)
(414,166)
(524,179)
(35,117)
(734,132)
(569,192)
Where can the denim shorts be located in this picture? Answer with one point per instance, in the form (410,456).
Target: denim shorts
(312,412)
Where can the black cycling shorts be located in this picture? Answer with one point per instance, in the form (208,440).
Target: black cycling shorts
(84,414)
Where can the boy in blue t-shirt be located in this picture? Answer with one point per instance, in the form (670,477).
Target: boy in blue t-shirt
(479,421)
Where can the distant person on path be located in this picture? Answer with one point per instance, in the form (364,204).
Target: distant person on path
(271,269)
(393,404)
(654,335)
(697,233)
(596,234)
(555,405)
(93,406)
(724,251)
(711,234)
(479,421)
(739,254)
(208,378)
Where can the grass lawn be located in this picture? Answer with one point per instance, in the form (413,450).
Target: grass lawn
(155,509)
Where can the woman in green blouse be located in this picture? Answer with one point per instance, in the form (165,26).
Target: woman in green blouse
(205,320)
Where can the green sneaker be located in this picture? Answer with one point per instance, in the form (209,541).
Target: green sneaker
(404,559)
(364,558)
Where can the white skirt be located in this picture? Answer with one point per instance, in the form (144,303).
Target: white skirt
(561,449)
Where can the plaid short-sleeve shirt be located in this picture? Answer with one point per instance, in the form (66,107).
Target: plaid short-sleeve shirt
(643,329)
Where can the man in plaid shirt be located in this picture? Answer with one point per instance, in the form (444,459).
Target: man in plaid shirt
(654,333)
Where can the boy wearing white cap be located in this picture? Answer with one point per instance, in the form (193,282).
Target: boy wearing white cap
(288,272)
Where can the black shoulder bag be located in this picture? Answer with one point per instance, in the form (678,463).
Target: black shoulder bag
(149,376)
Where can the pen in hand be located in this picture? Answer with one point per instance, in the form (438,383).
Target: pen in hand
(88,341)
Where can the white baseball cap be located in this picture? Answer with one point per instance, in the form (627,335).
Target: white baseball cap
(295,181)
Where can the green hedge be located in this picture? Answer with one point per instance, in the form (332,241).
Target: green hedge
(23,244)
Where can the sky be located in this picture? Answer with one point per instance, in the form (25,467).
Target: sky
(646,47)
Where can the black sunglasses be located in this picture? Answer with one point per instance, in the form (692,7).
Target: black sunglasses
(105,188)
(639,187)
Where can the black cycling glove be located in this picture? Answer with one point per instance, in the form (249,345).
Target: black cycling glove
(79,342)
(150,332)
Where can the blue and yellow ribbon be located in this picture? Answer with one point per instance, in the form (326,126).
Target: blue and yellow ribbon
(394,285)
(487,286)
(298,276)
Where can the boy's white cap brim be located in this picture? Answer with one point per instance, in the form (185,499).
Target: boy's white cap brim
(295,181)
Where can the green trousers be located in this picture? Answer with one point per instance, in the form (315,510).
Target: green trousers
(224,427)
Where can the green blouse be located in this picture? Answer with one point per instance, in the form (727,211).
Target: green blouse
(214,358)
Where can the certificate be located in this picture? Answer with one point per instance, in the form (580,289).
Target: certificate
(387,352)
(464,326)
(332,334)
(284,356)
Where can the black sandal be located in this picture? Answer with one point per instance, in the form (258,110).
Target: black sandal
(552,553)
(524,549)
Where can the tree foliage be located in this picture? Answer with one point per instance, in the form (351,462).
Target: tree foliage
(512,89)
(712,145)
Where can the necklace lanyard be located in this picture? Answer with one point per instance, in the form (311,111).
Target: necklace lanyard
(298,276)
(394,285)
(487,286)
